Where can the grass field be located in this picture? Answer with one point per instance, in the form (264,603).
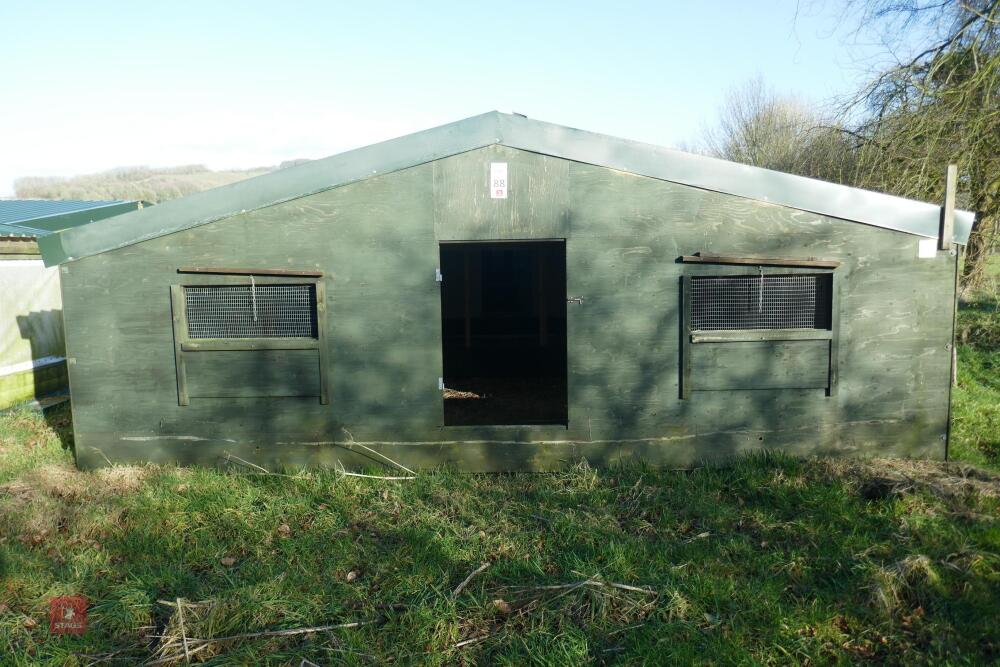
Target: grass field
(976,400)
(768,560)
(765,560)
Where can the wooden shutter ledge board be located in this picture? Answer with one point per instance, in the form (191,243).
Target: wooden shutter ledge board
(703,258)
(251,272)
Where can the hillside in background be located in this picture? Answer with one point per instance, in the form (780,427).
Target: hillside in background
(145,183)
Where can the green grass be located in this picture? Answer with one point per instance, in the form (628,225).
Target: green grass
(767,560)
(976,399)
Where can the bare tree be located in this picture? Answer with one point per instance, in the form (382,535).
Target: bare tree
(938,103)
(758,127)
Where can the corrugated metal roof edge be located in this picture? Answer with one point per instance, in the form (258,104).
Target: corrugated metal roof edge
(11,229)
(51,224)
(853,204)
(96,204)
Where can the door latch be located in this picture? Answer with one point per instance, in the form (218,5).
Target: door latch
(575,299)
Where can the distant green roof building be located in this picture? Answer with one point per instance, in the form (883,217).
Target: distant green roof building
(32,218)
(32,350)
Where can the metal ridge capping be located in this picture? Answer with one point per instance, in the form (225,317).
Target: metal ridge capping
(708,173)
(518,132)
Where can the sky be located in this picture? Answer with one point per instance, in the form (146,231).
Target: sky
(89,86)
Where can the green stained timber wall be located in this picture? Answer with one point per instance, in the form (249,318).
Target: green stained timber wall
(377,242)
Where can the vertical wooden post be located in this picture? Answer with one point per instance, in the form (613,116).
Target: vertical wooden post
(954,356)
(833,376)
(180,336)
(468,299)
(948,211)
(324,349)
(685,337)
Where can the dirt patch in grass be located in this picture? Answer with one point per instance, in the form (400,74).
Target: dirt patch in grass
(124,479)
(56,497)
(66,482)
(877,479)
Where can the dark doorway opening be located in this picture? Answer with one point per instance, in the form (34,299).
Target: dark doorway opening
(503,321)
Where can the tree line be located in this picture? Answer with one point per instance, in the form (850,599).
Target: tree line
(939,104)
(152,184)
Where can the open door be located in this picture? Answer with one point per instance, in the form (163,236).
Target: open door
(503,316)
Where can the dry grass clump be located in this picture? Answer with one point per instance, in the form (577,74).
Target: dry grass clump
(903,584)
(57,498)
(876,479)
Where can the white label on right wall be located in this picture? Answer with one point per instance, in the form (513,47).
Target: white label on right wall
(927,248)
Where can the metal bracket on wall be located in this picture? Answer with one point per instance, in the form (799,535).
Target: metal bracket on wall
(438,276)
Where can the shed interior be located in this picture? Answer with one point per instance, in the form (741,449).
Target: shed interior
(503,312)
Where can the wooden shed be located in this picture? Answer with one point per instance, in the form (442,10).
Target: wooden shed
(506,294)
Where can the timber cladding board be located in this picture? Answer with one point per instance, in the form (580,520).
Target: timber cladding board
(799,364)
(259,373)
(377,244)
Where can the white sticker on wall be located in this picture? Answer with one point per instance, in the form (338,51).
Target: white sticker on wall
(927,248)
(498,180)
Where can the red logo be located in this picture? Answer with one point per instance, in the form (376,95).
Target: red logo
(68,615)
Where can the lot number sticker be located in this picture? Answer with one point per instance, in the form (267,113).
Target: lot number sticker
(498,180)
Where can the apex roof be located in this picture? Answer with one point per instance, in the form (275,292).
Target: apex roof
(515,131)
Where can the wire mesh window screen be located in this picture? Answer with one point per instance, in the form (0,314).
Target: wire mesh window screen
(761,302)
(251,311)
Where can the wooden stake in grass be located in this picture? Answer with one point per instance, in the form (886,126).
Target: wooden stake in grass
(458,589)
(391,479)
(180,623)
(230,458)
(341,471)
(199,644)
(598,583)
(466,642)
